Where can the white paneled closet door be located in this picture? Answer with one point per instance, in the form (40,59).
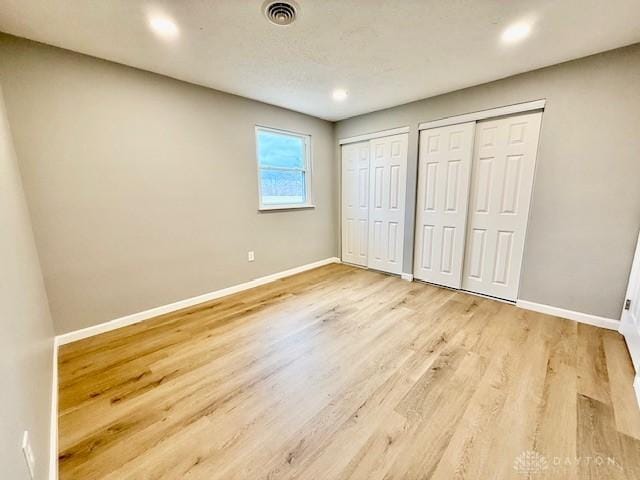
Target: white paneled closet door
(444,173)
(355,202)
(388,174)
(502,180)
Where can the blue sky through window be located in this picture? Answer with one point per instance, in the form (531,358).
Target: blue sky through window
(280,151)
(282,168)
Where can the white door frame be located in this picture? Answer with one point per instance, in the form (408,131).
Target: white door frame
(371,136)
(485,114)
(452,120)
(629,328)
(523,107)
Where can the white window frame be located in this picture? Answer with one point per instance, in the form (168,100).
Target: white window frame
(308,173)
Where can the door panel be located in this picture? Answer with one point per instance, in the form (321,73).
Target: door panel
(441,213)
(355,203)
(502,179)
(630,325)
(387,199)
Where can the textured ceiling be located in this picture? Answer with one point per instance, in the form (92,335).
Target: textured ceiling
(383,52)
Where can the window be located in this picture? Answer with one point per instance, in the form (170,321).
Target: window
(284,169)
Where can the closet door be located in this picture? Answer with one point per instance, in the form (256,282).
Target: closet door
(444,173)
(355,202)
(388,174)
(502,180)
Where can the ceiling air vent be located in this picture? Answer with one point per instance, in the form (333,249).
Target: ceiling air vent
(280,13)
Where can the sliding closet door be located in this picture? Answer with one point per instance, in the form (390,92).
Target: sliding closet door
(388,174)
(502,180)
(355,202)
(444,173)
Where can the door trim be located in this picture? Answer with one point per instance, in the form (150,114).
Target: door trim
(628,328)
(634,275)
(484,114)
(371,136)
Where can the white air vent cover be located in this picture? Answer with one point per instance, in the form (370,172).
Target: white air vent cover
(280,13)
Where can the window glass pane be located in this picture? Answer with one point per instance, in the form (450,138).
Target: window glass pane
(279,150)
(282,187)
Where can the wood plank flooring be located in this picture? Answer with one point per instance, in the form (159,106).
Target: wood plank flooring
(343,373)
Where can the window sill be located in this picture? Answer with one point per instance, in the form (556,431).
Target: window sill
(270,208)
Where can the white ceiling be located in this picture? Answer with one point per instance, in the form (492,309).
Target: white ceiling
(383,52)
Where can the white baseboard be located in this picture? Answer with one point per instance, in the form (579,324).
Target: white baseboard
(189,302)
(407,276)
(53,431)
(587,318)
(631,335)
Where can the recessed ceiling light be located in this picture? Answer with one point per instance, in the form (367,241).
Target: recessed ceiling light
(340,94)
(163,26)
(516,32)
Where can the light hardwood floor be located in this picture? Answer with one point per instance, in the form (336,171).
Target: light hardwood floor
(343,373)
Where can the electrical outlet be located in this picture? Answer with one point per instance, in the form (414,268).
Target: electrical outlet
(28,454)
(251,256)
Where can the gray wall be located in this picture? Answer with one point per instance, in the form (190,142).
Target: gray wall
(143,189)
(585,209)
(26,340)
